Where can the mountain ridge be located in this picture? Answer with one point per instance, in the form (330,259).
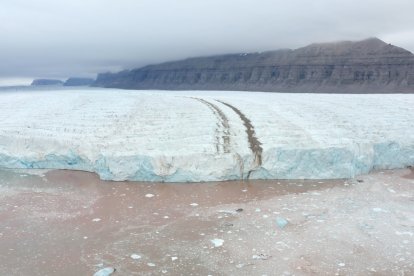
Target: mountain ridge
(366,66)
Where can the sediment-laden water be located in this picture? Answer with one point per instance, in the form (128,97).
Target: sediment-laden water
(72,223)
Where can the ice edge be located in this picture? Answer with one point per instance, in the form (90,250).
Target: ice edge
(278,163)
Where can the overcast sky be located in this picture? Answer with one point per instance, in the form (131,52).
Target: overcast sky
(58,39)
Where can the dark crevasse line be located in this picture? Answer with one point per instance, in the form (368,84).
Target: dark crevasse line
(254,143)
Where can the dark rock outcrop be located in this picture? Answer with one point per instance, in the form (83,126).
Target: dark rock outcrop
(79,82)
(38,82)
(368,66)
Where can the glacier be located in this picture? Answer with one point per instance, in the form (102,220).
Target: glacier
(197,136)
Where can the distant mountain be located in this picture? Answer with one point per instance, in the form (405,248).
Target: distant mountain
(78,82)
(38,82)
(367,66)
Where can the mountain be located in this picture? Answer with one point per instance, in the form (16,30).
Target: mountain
(38,82)
(367,66)
(78,82)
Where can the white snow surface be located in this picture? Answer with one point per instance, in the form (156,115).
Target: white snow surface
(182,136)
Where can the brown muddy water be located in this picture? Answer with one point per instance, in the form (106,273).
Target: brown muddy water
(72,223)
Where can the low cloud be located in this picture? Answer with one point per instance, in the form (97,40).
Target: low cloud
(48,38)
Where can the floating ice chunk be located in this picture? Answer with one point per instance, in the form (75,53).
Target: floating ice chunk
(96,219)
(151,264)
(135,257)
(281,222)
(149,195)
(174,258)
(261,257)
(217,242)
(194,204)
(230,212)
(341,264)
(105,271)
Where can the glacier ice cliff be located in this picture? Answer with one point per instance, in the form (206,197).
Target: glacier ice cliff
(196,136)
(278,163)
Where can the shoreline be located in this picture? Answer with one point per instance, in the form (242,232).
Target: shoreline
(45,172)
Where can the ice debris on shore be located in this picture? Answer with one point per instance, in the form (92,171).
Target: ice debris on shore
(217,242)
(135,257)
(281,222)
(105,271)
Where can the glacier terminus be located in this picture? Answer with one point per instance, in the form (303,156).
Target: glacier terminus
(196,136)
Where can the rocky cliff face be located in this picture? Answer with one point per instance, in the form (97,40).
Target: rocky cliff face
(368,66)
(78,82)
(39,82)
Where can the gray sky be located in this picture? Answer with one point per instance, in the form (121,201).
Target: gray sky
(58,39)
